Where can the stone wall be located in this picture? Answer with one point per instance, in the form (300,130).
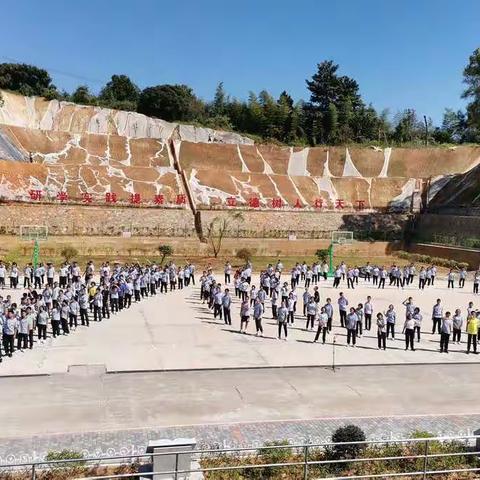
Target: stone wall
(430,224)
(459,254)
(102,220)
(308,224)
(97,220)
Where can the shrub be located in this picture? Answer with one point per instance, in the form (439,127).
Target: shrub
(322,254)
(165,250)
(282,454)
(349,433)
(442,262)
(244,254)
(68,253)
(65,455)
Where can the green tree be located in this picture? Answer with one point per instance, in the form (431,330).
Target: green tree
(270,128)
(365,124)
(244,254)
(345,117)
(331,124)
(471,77)
(121,93)
(322,254)
(326,87)
(255,119)
(218,229)
(69,253)
(83,96)
(349,433)
(26,79)
(165,251)
(408,127)
(335,101)
(454,127)
(220,101)
(170,102)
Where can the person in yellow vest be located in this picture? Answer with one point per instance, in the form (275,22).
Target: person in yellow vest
(472,331)
(91,294)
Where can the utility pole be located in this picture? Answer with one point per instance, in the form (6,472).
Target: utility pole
(426,130)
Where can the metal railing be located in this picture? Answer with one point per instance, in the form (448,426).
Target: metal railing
(303,459)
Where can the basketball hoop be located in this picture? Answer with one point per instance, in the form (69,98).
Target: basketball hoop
(342,237)
(33,232)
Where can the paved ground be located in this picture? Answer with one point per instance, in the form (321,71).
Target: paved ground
(103,413)
(112,387)
(177,332)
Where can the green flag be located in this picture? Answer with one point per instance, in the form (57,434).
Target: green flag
(36,253)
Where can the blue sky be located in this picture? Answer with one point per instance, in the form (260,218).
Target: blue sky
(407,53)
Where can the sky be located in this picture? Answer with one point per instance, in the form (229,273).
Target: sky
(403,54)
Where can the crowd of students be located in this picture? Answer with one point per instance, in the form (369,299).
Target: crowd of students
(56,303)
(282,295)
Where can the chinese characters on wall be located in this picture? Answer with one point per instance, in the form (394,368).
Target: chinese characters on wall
(111,198)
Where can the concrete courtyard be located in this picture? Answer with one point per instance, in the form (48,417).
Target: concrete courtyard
(176,331)
(165,368)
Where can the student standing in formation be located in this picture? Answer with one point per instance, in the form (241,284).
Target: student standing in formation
(368,271)
(31,318)
(368,310)
(325,270)
(446,330)
(409,331)
(257,315)
(451,278)
(476,281)
(14,276)
(42,321)
(381,331)
(417,316)
(322,325)
(244,314)
(217,302)
(55,322)
(462,277)
(27,274)
(275,299)
(22,335)
(342,308)
(360,314)
(337,275)
(437,314)
(391,317)
(291,308)
(228,272)
(422,278)
(311,309)
(383,276)
(457,324)
(226,305)
(350,278)
(282,317)
(472,332)
(329,311)
(351,324)
(10,329)
(409,306)
(306,298)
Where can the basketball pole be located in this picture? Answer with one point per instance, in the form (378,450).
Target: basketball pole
(330,258)
(36,253)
